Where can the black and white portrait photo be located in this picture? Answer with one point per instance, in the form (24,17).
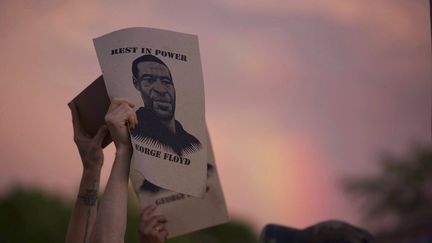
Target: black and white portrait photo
(157,125)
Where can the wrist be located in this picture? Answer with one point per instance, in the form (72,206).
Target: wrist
(124,150)
(92,166)
(92,172)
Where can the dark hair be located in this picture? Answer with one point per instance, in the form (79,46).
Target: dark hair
(145,58)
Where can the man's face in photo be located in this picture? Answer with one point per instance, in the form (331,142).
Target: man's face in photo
(157,89)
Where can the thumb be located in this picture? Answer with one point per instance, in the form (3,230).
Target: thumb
(101,134)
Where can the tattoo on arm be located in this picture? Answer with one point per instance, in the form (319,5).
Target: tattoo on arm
(90,197)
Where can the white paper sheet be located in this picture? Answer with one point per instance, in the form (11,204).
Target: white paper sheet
(166,85)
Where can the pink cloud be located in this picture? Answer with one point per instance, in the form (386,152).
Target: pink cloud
(316,88)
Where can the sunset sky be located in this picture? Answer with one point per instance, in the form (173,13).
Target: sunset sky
(299,94)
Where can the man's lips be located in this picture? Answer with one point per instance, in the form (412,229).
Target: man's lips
(166,99)
(162,105)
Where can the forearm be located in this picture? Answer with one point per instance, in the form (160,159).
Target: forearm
(111,220)
(84,212)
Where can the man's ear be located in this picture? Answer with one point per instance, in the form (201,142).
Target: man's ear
(136,83)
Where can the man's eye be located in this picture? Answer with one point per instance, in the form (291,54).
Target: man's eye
(166,80)
(148,80)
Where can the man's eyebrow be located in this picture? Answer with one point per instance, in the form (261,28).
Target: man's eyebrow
(145,75)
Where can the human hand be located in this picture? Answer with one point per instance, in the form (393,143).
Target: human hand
(152,228)
(90,148)
(119,118)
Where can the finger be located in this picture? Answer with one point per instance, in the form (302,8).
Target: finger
(127,120)
(121,108)
(148,211)
(131,120)
(127,114)
(101,134)
(136,118)
(160,226)
(119,101)
(115,102)
(162,235)
(156,230)
(78,130)
(119,115)
(155,220)
(112,106)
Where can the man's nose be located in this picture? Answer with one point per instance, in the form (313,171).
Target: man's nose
(159,87)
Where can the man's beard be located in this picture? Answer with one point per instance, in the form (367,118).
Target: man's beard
(162,107)
(163,110)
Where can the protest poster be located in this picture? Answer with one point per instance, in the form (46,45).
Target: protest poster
(160,72)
